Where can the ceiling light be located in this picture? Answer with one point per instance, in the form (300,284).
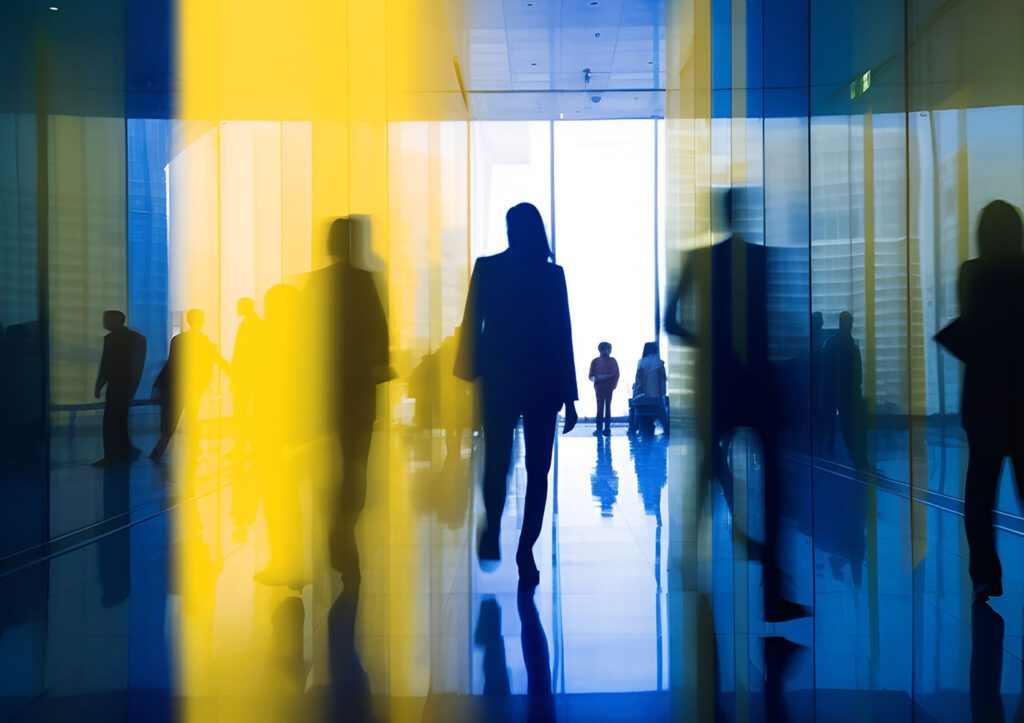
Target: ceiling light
(594,2)
(597,35)
(532,63)
(54,8)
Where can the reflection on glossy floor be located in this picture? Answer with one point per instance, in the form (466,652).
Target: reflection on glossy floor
(619,628)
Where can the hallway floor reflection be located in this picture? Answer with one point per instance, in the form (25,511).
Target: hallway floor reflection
(610,634)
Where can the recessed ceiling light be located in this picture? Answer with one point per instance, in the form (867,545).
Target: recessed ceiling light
(54,8)
(594,2)
(532,63)
(597,35)
(636,97)
(650,62)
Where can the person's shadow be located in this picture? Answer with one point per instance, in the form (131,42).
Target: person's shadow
(497,702)
(488,636)
(112,551)
(350,695)
(540,700)
(604,482)
(650,461)
(986,673)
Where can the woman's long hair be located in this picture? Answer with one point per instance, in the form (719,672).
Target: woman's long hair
(1000,230)
(527,238)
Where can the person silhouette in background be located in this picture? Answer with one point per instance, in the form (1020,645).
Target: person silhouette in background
(820,416)
(279,432)
(726,288)
(355,338)
(989,338)
(517,340)
(124,356)
(842,389)
(540,702)
(243,370)
(604,373)
(649,391)
(245,386)
(182,381)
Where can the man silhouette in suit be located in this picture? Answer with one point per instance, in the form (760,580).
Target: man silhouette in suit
(124,356)
(737,386)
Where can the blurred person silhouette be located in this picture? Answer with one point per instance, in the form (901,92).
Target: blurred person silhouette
(725,288)
(245,380)
(604,481)
(517,340)
(820,416)
(124,356)
(279,435)
(989,338)
(457,408)
(986,668)
(604,373)
(244,365)
(284,686)
(443,401)
(843,389)
(183,380)
(23,410)
(355,338)
(649,391)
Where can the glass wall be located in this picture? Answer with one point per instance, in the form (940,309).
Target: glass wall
(864,140)
(84,231)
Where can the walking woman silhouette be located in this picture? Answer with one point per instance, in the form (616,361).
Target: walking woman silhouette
(517,341)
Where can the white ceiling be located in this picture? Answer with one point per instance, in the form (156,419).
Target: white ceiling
(526,58)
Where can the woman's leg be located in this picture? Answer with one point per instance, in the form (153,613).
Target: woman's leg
(983,465)
(539,429)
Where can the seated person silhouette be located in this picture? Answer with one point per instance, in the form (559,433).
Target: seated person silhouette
(124,356)
(649,393)
(989,339)
(517,341)
(604,373)
(725,289)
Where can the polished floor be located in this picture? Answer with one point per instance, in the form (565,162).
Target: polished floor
(637,602)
